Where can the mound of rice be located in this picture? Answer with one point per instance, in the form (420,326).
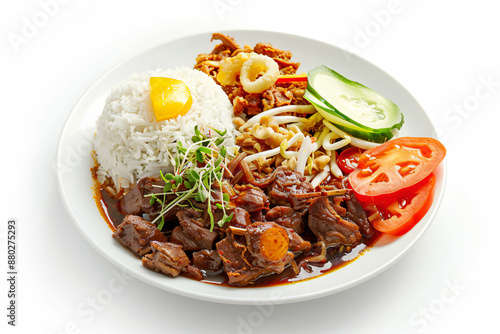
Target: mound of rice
(130,144)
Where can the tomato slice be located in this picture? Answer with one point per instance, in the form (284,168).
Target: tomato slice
(399,215)
(397,164)
(348,159)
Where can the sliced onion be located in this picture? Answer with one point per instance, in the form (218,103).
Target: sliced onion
(321,256)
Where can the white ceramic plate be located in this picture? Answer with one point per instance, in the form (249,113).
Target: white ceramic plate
(75,181)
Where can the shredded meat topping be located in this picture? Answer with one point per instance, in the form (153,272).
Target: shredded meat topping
(279,94)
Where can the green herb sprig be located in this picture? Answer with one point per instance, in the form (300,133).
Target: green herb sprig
(197,167)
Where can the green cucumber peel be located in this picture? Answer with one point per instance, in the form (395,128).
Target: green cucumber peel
(353,102)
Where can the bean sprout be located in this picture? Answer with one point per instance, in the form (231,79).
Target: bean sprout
(300,125)
(274,151)
(310,177)
(334,168)
(307,109)
(317,144)
(289,119)
(304,152)
(354,141)
(320,177)
(329,146)
(292,153)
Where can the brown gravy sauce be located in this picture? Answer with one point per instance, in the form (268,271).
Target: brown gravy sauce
(108,207)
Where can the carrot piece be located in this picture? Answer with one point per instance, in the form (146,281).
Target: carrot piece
(274,244)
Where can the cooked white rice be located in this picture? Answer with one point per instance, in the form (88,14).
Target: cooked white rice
(130,144)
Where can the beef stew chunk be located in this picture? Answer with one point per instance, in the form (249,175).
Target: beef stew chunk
(297,244)
(136,234)
(252,200)
(146,186)
(180,238)
(207,260)
(131,202)
(167,258)
(135,203)
(357,214)
(287,217)
(241,218)
(261,249)
(191,234)
(285,185)
(239,271)
(329,227)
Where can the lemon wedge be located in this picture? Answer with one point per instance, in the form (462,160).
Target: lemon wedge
(170,98)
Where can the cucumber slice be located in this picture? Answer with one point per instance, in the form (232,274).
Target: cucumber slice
(356,131)
(354,102)
(327,112)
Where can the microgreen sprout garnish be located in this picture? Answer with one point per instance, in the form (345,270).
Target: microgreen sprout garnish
(198,169)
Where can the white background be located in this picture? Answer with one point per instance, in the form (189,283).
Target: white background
(445,53)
